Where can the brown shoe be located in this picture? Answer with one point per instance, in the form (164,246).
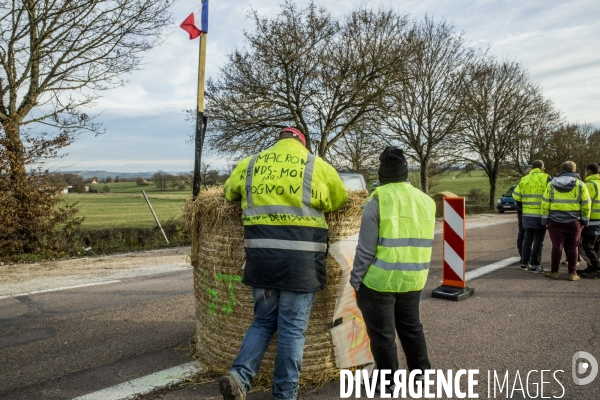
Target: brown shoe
(573,277)
(230,388)
(551,275)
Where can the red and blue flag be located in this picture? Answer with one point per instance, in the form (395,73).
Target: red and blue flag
(197,22)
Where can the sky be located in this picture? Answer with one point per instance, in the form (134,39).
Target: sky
(557,42)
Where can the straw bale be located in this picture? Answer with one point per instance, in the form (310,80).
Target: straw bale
(439,200)
(224,306)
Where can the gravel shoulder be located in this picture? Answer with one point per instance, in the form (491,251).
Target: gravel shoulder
(26,278)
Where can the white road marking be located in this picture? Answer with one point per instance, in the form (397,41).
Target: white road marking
(60,288)
(145,384)
(476,273)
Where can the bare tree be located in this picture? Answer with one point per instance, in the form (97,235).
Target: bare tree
(160,179)
(55,59)
(499,100)
(185,178)
(305,68)
(593,141)
(571,142)
(56,56)
(358,150)
(424,110)
(436,171)
(173,181)
(204,168)
(534,135)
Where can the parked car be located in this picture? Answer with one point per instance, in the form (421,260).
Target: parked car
(353,180)
(506,202)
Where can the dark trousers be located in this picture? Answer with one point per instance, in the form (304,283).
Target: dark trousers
(386,314)
(564,235)
(590,241)
(520,237)
(533,243)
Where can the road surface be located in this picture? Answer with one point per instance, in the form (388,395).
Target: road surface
(67,343)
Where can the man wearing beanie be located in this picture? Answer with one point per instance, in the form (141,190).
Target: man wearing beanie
(392,263)
(284,192)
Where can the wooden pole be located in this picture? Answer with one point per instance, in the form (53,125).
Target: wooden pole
(199,143)
(200,118)
(155,217)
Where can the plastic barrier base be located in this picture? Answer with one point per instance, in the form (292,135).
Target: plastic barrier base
(452,293)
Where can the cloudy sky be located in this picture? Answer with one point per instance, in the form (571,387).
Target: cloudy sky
(558,42)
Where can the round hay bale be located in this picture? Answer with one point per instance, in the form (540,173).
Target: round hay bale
(438,198)
(224,306)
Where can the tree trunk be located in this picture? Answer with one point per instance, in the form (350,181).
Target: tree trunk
(16,154)
(424,177)
(493,178)
(19,189)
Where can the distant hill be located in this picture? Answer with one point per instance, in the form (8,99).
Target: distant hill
(105,174)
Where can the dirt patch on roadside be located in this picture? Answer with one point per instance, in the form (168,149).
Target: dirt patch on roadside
(23,278)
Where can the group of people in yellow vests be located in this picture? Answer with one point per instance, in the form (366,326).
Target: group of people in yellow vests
(569,209)
(285,192)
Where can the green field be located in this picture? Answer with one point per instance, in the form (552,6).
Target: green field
(125,207)
(461,184)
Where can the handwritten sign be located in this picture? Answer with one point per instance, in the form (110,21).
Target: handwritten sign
(349,334)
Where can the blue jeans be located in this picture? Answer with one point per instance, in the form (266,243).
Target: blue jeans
(275,311)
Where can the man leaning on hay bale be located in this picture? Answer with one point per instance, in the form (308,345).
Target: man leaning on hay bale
(285,192)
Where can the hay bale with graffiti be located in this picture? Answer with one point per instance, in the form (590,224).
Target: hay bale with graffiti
(224,306)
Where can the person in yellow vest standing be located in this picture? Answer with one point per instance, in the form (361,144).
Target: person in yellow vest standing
(528,195)
(392,262)
(521,232)
(284,192)
(566,211)
(590,237)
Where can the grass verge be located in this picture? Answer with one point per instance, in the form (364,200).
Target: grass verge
(106,241)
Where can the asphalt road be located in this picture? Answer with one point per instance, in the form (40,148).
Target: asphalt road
(61,345)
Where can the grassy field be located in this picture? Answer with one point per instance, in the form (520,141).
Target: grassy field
(125,207)
(461,184)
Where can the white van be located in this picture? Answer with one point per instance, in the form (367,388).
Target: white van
(353,181)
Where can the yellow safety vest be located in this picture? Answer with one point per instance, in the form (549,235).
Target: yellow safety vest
(592,182)
(566,206)
(529,192)
(285,192)
(407,223)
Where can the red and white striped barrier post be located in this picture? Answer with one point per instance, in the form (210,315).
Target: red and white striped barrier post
(454,280)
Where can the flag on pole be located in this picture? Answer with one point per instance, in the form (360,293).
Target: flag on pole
(197,22)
